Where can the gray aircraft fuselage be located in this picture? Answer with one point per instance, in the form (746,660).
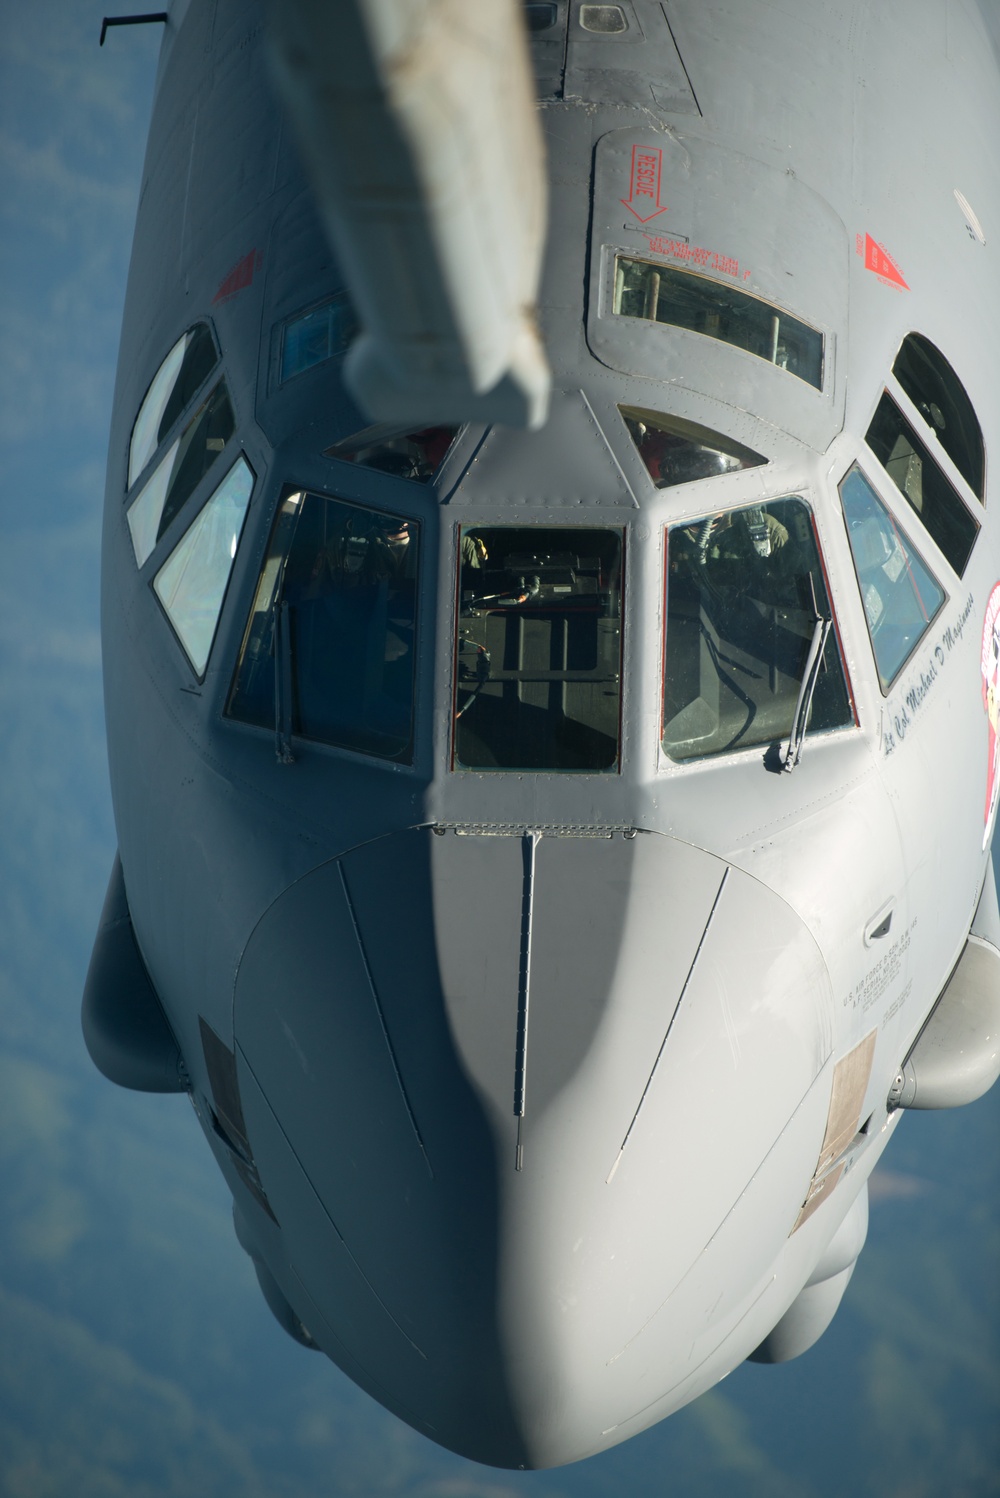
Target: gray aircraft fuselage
(545,1017)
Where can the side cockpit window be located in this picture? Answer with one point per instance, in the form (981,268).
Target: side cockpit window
(328,652)
(900,594)
(179,471)
(746,600)
(676,451)
(180,464)
(176,382)
(191,584)
(928,491)
(539,648)
(940,397)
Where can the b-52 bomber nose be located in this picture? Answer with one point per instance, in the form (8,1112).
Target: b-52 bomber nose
(532,1171)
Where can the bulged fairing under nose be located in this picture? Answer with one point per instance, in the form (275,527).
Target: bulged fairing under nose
(545,1194)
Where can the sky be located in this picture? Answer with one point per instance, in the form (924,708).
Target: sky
(137,1357)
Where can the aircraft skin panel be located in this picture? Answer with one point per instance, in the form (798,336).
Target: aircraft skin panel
(568,986)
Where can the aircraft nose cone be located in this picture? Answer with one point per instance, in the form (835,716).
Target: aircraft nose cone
(505,1093)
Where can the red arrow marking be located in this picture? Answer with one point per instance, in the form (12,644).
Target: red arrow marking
(239,277)
(644,184)
(879,260)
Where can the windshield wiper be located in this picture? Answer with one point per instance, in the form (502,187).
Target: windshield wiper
(803,706)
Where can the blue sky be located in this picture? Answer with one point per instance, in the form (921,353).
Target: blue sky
(136,1354)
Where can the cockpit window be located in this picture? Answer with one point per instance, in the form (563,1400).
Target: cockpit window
(191,584)
(539,641)
(313,337)
(331,636)
(407,454)
(676,451)
(745,590)
(940,397)
(179,471)
(922,482)
(176,382)
(661,293)
(900,595)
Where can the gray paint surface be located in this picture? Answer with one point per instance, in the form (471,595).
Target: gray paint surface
(221,831)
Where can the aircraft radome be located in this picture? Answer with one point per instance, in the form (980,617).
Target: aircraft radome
(551,621)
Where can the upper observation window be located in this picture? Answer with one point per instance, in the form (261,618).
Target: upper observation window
(606,20)
(540,14)
(900,595)
(660,293)
(180,470)
(745,591)
(191,584)
(316,336)
(940,397)
(676,451)
(407,454)
(923,484)
(331,636)
(539,646)
(179,377)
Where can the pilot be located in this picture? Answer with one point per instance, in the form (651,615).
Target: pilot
(368,548)
(474,552)
(740,536)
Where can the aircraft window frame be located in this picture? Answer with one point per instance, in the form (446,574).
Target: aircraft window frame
(335,324)
(938,395)
(416,454)
(173,388)
(564,606)
(327,577)
(153,508)
(737,545)
(895,554)
(602,20)
(923,483)
(191,583)
(540,15)
(702,298)
(685,450)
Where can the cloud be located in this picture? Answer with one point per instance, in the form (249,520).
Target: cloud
(895,1185)
(734,1450)
(43,169)
(45,1210)
(107,1427)
(64,647)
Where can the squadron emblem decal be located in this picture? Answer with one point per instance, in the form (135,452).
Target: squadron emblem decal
(990,665)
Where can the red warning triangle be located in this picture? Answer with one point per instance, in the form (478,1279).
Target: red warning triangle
(238,278)
(881,262)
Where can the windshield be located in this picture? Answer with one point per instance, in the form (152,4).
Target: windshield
(745,589)
(538,658)
(330,639)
